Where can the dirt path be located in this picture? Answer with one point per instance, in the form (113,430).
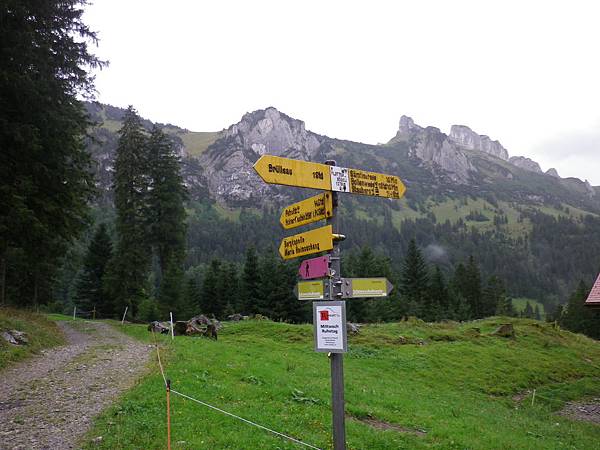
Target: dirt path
(49,402)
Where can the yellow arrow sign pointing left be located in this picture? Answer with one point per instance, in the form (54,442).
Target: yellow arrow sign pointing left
(293,172)
(313,241)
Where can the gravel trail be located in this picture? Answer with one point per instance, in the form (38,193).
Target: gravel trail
(49,402)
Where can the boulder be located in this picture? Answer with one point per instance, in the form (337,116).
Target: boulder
(158,327)
(235,317)
(353,328)
(505,330)
(15,337)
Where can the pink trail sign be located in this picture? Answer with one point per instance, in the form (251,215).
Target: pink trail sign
(314,268)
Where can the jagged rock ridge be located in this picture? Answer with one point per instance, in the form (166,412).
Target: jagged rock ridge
(465,137)
(263,131)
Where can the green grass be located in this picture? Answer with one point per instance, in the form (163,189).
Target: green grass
(520,302)
(196,142)
(41,333)
(451,381)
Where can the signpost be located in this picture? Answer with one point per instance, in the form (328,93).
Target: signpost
(307,211)
(310,290)
(303,244)
(314,268)
(365,287)
(329,313)
(293,172)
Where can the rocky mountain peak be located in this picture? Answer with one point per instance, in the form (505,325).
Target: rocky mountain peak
(467,138)
(552,172)
(407,125)
(525,163)
(266,131)
(270,131)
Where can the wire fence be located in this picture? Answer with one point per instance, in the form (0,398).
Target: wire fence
(222,411)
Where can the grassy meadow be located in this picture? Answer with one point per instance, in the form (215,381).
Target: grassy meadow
(41,332)
(407,385)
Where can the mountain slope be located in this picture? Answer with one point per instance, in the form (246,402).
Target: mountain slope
(538,232)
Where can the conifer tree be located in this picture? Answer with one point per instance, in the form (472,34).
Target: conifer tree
(414,280)
(579,318)
(472,291)
(536,313)
(90,289)
(494,298)
(213,301)
(46,181)
(439,304)
(164,214)
(131,263)
(528,311)
(250,283)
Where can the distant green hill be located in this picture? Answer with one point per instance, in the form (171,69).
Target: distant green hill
(407,385)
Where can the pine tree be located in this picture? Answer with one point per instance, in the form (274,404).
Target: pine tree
(165,216)
(494,298)
(213,301)
(414,281)
(439,297)
(44,167)
(536,313)
(131,263)
(472,292)
(193,297)
(528,311)
(579,318)
(250,283)
(90,288)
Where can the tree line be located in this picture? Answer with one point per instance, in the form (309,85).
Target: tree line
(146,263)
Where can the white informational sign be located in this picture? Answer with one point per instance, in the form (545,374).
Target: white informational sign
(340,180)
(329,319)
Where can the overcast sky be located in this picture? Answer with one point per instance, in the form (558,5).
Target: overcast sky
(525,72)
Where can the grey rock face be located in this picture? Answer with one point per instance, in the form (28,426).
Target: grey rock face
(552,172)
(525,163)
(433,146)
(467,138)
(407,125)
(228,162)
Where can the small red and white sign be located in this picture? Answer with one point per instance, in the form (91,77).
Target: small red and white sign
(330,326)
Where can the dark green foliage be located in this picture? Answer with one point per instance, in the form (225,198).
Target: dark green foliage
(414,282)
(494,299)
(90,288)
(214,290)
(579,318)
(165,216)
(467,282)
(250,283)
(527,311)
(439,297)
(44,168)
(131,263)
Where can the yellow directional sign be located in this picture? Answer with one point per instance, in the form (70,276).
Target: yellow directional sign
(293,172)
(365,287)
(307,211)
(375,184)
(313,241)
(310,290)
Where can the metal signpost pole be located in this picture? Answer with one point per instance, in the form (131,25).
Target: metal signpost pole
(337,359)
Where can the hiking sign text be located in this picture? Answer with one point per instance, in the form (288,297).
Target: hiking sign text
(313,241)
(307,211)
(293,172)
